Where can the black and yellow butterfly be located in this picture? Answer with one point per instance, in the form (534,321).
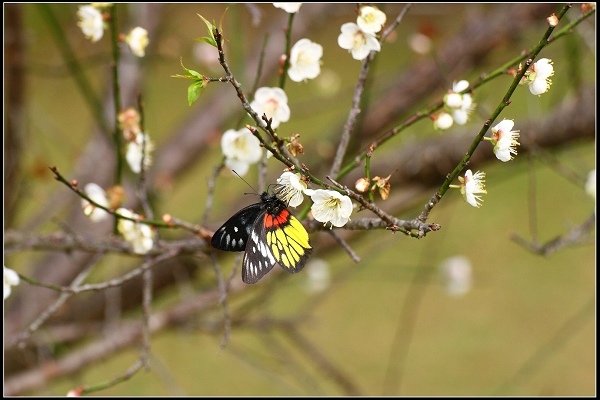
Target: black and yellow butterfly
(269,234)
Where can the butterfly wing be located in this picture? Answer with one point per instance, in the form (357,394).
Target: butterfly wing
(288,241)
(233,234)
(258,259)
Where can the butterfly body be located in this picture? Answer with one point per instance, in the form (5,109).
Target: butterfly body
(268,234)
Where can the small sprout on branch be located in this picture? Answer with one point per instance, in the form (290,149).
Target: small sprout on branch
(210,39)
(199,82)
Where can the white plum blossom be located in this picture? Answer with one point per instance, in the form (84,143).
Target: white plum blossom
(240,148)
(538,76)
(456,275)
(330,206)
(290,8)
(134,152)
(139,236)
(271,101)
(472,186)
(11,278)
(442,121)
(505,140)
(90,22)
(305,60)
(137,39)
(359,43)
(318,277)
(97,194)
(370,19)
(291,188)
(590,184)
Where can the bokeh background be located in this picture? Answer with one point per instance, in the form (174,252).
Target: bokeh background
(525,325)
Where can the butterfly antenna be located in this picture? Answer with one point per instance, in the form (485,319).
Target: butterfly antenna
(253,190)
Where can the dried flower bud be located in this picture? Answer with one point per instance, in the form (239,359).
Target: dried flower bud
(552,20)
(116,195)
(587,7)
(74,183)
(129,122)
(294,146)
(384,186)
(362,185)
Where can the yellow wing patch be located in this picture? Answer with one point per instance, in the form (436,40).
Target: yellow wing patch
(289,244)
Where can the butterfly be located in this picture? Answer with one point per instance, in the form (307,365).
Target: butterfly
(268,234)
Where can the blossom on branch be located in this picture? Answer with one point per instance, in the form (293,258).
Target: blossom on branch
(538,76)
(504,140)
(472,186)
(240,148)
(359,43)
(291,189)
(137,39)
(98,195)
(305,60)
(11,278)
(91,22)
(290,8)
(330,206)
(271,101)
(140,147)
(442,121)
(461,105)
(370,19)
(139,236)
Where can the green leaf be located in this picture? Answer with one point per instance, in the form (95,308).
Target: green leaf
(211,31)
(194,91)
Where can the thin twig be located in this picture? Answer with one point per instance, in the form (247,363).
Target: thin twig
(288,40)
(576,235)
(222,300)
(355,257)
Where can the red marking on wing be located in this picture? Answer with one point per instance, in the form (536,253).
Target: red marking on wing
(268,221)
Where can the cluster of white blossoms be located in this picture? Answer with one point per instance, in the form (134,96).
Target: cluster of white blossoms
(538,76)
(272,102)
(139,144)
(360,38)
(139,236)
(458,107)
(241,149)
(11,278)
(91,22)
(456,273)
(328,206)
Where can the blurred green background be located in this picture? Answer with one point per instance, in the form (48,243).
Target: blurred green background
(526,327)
